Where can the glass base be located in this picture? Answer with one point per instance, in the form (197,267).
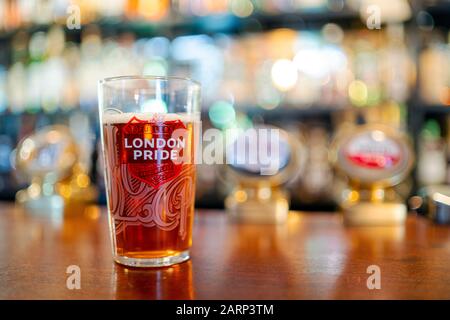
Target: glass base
(153,262)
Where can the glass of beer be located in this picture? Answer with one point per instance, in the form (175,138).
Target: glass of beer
(149,131)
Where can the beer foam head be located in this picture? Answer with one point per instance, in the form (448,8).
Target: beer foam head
(110,118)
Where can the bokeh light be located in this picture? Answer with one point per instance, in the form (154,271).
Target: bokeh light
(155,106)
(311,62)
(157,67)
(222,114)
(284,74)
(241,8)
(358,93)
(425,21)
(332,33)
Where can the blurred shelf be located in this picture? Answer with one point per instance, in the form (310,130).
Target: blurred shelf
(41,117)
(226,23)
(288,112)
(440,13)
(440,109)
(280,111)
(229,23)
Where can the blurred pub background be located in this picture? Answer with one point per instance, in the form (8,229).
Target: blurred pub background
(308,66)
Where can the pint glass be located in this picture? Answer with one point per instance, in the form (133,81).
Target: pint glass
(148,128)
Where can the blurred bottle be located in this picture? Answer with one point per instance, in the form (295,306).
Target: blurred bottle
(432,156)
(434,64)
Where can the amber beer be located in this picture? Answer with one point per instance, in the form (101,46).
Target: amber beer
(151,183)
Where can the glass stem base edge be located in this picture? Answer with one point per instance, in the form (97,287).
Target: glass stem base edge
(153,262)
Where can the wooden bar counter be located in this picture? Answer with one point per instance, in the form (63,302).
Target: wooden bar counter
(313,256)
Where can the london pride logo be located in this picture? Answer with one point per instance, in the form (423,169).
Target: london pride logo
(153,150)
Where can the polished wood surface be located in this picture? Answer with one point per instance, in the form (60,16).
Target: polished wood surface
(311,257)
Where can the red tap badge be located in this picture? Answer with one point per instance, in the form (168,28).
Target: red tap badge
(374,154)
(151,150)
(368,152)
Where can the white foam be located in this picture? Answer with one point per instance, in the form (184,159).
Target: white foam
(112,118)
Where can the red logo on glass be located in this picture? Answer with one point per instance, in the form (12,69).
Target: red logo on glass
(150,149)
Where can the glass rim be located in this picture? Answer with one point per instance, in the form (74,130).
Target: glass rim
(138,77)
